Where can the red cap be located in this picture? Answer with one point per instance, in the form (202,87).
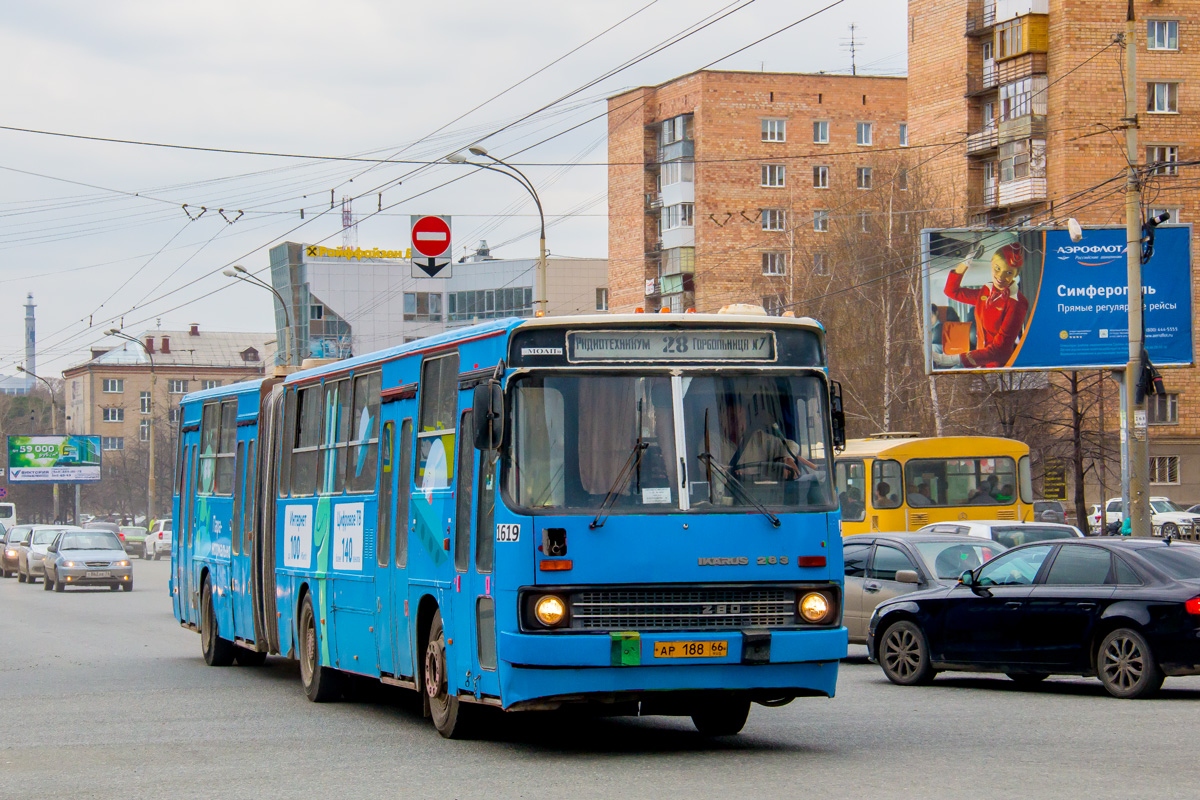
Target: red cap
(1012,255)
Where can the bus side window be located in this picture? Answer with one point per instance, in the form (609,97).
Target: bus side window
(435,431)
(462,513)
(887,484)
(364,434)
(239,477)
(403,488)
(850,477)
(304,439)
(485,545)
(250,499)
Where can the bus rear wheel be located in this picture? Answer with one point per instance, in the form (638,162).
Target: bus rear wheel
(218,652)
(722,717)
(321,684)
(450,716)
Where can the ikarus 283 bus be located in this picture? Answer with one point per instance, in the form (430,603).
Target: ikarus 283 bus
(631,512)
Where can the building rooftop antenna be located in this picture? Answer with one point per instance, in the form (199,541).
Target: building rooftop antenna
(852,44)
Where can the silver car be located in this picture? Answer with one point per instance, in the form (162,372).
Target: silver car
(1007,532)
(32,550)
(87,558)
(880,566)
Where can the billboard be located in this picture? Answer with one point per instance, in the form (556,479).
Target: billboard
(1030,299)
(53,459)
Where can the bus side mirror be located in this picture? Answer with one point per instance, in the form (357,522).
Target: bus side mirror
(488,415)
(837,415)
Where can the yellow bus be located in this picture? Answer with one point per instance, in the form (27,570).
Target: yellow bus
(902,481)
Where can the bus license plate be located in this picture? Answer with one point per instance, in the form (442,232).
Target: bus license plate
(691,649)
(99,574)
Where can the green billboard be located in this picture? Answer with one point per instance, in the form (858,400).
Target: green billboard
(53,459)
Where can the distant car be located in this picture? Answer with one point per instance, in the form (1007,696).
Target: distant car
(158,540)
(32,551)
(1049,511)
(87,558)
(1167,517)
(1007,532)
(1124,610)
(8,555)
(880,566)
(134,539)
(111,527)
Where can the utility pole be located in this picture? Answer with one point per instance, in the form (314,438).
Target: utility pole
(1134,431)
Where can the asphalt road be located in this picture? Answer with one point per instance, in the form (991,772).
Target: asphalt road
(103,695)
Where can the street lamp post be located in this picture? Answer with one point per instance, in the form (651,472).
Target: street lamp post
(242,274)
(519,177)
(53,423)
(150,486)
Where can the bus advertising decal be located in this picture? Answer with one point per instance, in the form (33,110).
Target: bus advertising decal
(297,535)
(348,537)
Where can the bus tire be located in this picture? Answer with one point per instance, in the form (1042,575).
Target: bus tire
(218,652)
(722,717)
(321,684)
(449,716)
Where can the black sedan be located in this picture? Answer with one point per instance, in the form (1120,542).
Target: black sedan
(1125,610)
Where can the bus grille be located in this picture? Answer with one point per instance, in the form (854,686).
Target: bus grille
(683,609)
(1006,513)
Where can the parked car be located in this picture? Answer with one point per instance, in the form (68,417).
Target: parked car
(87,558)
(1166,516)
(1049,511)
(880,566)
(32,551)
(1114,511)
(1124,610)
(158,540)
(1007,532)
(134,539)
(8,555)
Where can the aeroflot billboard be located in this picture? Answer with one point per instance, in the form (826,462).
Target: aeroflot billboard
(1022,299)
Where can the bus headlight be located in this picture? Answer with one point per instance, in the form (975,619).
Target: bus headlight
(814,607)
(550,610)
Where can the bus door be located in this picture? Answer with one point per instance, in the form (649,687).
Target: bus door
(400,633)
(243,544)
(464,591)
(235,535)
(483,606)
(182,541)
(384,531)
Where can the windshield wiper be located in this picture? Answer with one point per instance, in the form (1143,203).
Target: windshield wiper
(631,464)
(734,483)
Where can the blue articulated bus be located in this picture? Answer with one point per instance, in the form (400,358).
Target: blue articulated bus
(633,513)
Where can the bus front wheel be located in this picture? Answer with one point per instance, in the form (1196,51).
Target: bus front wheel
(448,714)
(321,684)
(723,717)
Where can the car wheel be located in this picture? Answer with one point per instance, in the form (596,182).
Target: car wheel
(321,684)
(218,652)
(450,717)
(1126,666)
(1170,529)
(157,555)
(1027,678)
(46,583)
(112,587)
(722,717)
(20,576)
(127,586)
(59,584)
(904,655)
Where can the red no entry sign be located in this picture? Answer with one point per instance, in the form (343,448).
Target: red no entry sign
(431,236)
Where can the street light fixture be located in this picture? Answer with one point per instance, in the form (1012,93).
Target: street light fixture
(521,178)
(53,422)
(243,274)
(150,484)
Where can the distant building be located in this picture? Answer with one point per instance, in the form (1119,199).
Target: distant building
(13,385)
(109,395)
(350,302)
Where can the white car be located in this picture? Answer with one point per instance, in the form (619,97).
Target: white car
(1006,532)
(158,541)
(1166,517)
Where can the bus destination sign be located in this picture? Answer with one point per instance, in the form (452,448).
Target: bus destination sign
(671,345)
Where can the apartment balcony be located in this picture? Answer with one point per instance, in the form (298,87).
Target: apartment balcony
(991,194)
(677,150)
(983,143)
(1022,191)
(985,81)
(654,201)
(981,17)
(1022,66)
(1029,126)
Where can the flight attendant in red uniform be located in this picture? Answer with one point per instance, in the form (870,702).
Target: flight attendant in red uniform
(1000,311)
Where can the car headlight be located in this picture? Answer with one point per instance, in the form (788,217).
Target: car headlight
(121,564)
(550,610)
(68,563)
(10,553)
(814,607)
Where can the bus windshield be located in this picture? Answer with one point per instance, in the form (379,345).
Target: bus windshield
(748,441)
(961,481)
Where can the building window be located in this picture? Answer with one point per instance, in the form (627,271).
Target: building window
(1019,98)
(988,115)
(250,354)
(602,299)
(820,177)
(774,130)
(772,219)
(1164,469)
(863,218)
(113,385)
(144,402)
(864,133)
(673,172)
(1163,159)
(1163,98)
(177,386)
(902,180)
(173,415)
(820,220)
(1162,409)
(1162,34)
(864,177)
(1172,213)
(207,384)
(316,311)
(820,264)
(112,442)
(1010,38)
(680,215)
(772,304)
(144,431)
(821,132)
(772,175)
(423,306)
(675,129)
(513,301)
(904,134)
(774,263)
(114,414)
(678,259)
(1022,159)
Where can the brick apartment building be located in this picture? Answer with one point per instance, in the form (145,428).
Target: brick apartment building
(722,184)
(1026,98)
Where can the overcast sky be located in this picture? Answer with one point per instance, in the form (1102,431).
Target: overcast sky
(97,230)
